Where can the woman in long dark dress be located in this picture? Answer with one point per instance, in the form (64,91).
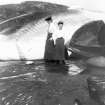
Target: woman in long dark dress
(49,47)
(59,44)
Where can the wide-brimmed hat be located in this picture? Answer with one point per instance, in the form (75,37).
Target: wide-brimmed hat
(48,18)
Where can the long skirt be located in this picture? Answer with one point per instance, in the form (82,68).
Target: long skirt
(49,50)
(60,49)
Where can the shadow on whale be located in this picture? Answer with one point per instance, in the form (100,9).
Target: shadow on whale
(23,36)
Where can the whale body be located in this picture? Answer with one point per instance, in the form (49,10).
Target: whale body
(24,36)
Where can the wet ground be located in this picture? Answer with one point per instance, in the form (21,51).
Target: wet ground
(44,84)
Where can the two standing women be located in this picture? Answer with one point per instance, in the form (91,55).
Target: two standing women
(55,48)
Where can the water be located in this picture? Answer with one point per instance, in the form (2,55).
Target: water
(43,84)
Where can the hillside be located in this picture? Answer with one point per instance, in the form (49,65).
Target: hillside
(13,10)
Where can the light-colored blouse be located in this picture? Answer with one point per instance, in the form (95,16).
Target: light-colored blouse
(58,34)
(51,28)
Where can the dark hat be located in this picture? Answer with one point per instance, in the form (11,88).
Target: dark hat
(48,18)
(60,22)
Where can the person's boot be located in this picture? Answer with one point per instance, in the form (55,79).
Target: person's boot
(57,61)
(77,102)
(63,62)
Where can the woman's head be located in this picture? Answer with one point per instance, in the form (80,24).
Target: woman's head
(60,24)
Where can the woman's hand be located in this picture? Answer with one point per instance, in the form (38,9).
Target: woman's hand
(50,38)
